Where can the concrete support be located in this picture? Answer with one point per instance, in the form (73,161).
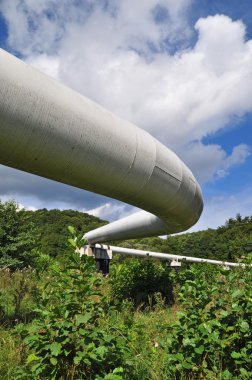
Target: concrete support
(102,256)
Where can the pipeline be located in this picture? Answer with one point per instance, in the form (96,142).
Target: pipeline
(52,131)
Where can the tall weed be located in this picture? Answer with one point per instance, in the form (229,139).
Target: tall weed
(17,295)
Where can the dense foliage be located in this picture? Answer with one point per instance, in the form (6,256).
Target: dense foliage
(61,320)
(229,242)
(18,237)
(142,281)
(213,335)
(68,335)
(52,225)
(44,231)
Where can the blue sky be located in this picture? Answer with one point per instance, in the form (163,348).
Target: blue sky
(181,69)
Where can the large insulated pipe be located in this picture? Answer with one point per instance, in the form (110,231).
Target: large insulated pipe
(54,132)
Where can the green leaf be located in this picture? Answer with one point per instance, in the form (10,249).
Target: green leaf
(82,318)
(72,242)
(53,361)
(118,370)
(186,365)
(226,374)
(72,230)
(180,314)
(115,375)
(36,368)
(31,358)
(67,352)
(77,359)
(112,376)
(66,313)
(224,313)
(101,351)
(235,355)
(244,326)
(55,348)
(179,356)
(245,373)
(199,350)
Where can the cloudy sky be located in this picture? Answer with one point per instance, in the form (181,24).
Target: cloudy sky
(180,69)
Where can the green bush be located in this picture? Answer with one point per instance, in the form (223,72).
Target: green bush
(213,336)
(70,338)
(140,281)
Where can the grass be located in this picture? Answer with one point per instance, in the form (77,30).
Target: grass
(10,354)
(146,336)
(146,330)
(17,291)
(145,355)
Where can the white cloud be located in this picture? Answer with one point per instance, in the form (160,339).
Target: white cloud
(20,205)
(110,211)
(129,24)
(29,189)
(178,98)
(221,43)
(238,156)
(45,63)
(211,161)
(219,209)
(28,208)
(115,55)
(23,21)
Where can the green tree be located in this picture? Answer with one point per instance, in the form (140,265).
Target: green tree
(52,225)
(18,237)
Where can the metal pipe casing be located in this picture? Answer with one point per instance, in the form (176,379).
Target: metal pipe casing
(52,131)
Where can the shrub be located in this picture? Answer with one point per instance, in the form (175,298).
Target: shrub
(68,340)
(213,334)
(141,280)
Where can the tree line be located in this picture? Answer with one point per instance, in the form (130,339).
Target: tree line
(30,238)
(61,319)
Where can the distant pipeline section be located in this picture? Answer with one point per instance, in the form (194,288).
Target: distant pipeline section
(52,131)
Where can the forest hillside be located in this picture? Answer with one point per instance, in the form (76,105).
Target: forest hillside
(61,319)
(228,242)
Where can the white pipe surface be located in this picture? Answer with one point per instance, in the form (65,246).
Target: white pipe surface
(168,256)
(50,130)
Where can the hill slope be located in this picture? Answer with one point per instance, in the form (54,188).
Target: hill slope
(228,242)
(52,227)
(46,231)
